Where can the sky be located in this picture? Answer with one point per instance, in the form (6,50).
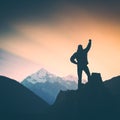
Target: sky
(15,66)
(47,32)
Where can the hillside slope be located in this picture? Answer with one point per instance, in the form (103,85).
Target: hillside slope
(15,98)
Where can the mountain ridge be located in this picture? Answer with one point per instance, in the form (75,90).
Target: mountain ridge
(47,85)
(15,98)
(93,101)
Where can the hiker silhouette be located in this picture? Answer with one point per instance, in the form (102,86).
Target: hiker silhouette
(80,59)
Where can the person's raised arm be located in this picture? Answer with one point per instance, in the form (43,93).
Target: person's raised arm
(88,46)
(73,58)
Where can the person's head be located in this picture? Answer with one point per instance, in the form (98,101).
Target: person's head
(80,48)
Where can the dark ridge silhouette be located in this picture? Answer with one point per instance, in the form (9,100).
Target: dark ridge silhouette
(113,85)
(92,102)
(80,59)
(17,101)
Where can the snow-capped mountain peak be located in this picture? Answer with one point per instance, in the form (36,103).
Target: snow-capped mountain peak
(70,78)
(47,85)
(41,76)
(42,72)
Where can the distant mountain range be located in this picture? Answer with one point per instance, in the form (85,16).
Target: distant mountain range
(47,85)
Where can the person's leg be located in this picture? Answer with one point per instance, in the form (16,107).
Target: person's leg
(79,72)
(86,69)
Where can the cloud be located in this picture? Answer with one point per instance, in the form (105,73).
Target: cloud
(7,29)
(12,11)
(105,8)
(15,66)
(23,9)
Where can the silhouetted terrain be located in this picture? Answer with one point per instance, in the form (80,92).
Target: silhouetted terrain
(93,101)
(15,99)
(113,85)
